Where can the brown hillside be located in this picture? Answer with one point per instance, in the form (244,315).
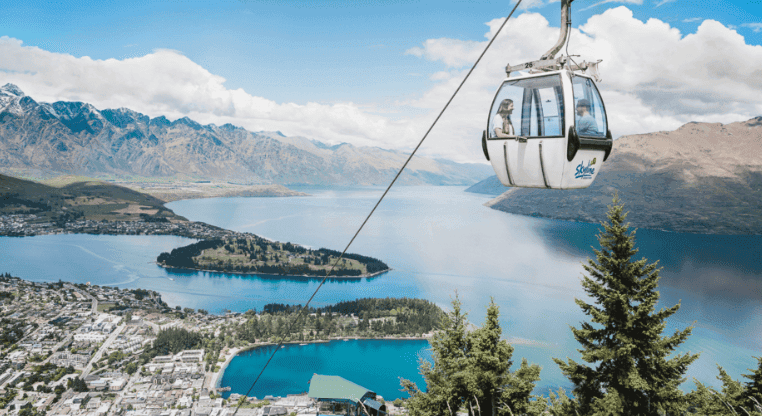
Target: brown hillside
(701,178)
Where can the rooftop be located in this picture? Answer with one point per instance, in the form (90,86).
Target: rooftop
(337,388)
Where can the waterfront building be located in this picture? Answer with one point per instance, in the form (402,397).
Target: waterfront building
(337,390)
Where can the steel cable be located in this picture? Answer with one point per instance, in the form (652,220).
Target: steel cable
(328,273)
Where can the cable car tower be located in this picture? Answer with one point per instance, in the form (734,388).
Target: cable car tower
(548,128)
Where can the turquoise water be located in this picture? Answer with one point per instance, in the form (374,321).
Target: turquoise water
(438,240)
(374,364)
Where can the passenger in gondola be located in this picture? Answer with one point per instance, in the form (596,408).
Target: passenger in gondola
(586,124)
(501,123)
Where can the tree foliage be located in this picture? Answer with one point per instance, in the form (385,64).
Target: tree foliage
(471,371)
(753,388)
(77,384)
(174,340)
(734,398)
(254,254)
(182,257)
(630,371)
(375,316)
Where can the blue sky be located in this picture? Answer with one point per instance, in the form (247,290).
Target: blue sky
(337,60)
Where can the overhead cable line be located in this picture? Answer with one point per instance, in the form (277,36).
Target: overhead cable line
(328,273)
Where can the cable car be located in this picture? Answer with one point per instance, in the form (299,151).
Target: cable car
(548,128)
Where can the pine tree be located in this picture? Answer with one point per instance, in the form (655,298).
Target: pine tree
(489,362)
(753,388)
(734,399)
(732,392)
(445,379)
(630,368)
(472,371)
(707,401)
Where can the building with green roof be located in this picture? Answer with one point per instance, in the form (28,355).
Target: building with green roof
(335,389)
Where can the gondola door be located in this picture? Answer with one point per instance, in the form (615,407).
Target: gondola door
(590,140)
(525,137)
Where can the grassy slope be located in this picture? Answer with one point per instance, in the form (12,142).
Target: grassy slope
(87,200)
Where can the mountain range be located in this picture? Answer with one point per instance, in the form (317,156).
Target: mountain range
(703,178)
(42,139)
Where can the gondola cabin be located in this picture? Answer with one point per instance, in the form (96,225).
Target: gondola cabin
(547,130)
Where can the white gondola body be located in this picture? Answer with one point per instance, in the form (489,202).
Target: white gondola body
(537,157)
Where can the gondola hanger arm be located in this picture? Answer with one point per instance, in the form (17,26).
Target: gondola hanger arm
(565,26)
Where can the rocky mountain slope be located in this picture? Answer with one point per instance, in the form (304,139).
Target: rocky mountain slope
(701,178)
(76,138)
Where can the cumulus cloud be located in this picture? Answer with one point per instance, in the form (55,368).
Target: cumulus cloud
(654,78)
(166,82)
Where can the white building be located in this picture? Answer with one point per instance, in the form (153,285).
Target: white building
(90,337)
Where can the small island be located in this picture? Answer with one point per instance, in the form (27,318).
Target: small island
(30,208)
(250,254)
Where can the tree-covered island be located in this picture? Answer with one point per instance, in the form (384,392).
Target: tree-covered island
(29,208)
(250,254)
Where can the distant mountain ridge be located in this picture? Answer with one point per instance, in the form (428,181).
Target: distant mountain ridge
(76,138)
(703,178)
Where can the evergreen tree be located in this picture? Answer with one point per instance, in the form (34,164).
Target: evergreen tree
(445,379)
(732,391)
(753,388)
(472,371)
(733,399)
(707,401)
(489,362)
(630,372)
(516,395)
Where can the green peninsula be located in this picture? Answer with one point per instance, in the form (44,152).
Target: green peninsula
(250,254)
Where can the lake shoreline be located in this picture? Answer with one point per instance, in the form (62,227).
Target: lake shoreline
(216,382)
(362,276)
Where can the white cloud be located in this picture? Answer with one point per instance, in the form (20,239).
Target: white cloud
(691,20)
(637,2)
(756,27)
(166,82)
(654,78)
(453,52)
(663,2)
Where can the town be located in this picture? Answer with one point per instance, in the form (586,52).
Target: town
(26,225)
(81,349)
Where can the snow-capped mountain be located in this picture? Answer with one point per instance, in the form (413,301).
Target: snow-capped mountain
(77,138)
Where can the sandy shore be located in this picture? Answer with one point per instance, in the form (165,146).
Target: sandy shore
(217,377)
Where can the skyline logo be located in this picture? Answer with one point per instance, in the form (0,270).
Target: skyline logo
(585,172)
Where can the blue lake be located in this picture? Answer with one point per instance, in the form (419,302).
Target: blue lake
(439,241)
(374,364)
